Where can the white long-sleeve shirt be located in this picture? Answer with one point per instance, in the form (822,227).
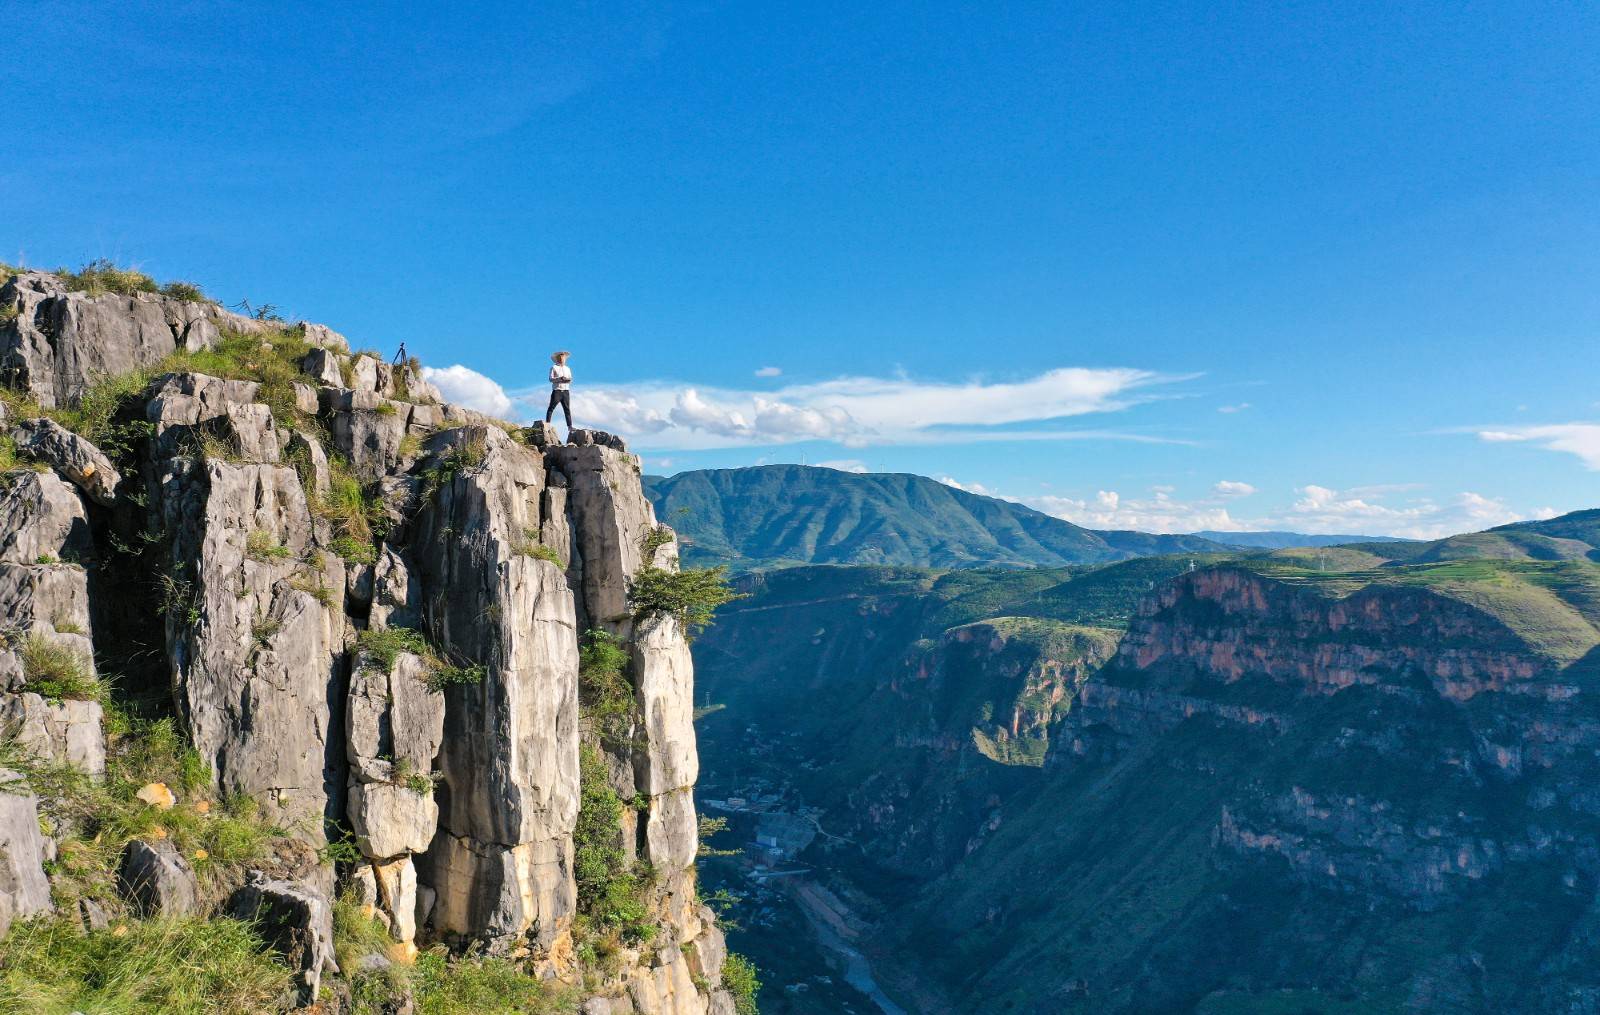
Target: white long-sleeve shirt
(560,377)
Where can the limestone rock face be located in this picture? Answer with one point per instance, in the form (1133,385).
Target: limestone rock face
(253,657)
(44,518)
(610,518)
(398,663)
(156,879)
(70,455)
(60,342)
(24,890)
(510,758)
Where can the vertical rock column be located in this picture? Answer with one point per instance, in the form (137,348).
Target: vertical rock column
(44,598)
(501,864)
(394,726)
(254,656)
(610,519)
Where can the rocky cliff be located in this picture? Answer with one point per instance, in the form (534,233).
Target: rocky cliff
(364,608)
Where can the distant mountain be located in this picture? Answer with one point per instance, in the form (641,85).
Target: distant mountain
(1281,540)
(782,515)
(1574,536)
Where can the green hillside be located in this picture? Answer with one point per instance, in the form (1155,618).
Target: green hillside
(782,515)
(1574,536)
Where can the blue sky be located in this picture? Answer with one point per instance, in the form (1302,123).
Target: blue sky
(1324,267)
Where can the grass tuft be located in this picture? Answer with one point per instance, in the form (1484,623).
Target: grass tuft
(56,672)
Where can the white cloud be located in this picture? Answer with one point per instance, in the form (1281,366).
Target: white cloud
(1229,488)
(466,387)
(977,488)
(1242,406)
(1316,510)
(855,411)
(769,371)
(844,465)
(1159,512)
(1581,439)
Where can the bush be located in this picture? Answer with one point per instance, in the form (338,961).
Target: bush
(605,698)
(739,978)
(57,672)
(171,967)
(612,894)
(386,645)
(691,595)
(185,291)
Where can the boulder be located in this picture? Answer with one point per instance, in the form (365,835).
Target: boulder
(371,438)
(296,921)
(24,889)
(391,820)
(395,594)
(324,337)
(306,454)
(66,732)
(71,455)
(44,520)
(364,374)
(156,879)
(323,365)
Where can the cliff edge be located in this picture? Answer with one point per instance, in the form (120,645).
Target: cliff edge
(371,615)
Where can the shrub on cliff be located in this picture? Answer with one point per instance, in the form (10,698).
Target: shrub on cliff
(605,697)
(611,891)
(740,978)
(691,595)
(101,276)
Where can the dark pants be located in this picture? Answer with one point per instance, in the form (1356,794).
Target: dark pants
(562,398)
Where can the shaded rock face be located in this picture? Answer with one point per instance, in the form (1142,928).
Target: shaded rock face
(451,761)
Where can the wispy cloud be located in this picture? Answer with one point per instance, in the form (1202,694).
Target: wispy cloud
(769,371)
(1229,409)
(1231,488)
(854,411)
(1580,439)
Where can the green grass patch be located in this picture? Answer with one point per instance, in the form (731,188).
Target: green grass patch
(95,819)
(49,966)
(261,545)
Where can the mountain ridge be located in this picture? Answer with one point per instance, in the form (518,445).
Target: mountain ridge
(779,515)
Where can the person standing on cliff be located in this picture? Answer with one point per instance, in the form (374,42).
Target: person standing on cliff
(560,388)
